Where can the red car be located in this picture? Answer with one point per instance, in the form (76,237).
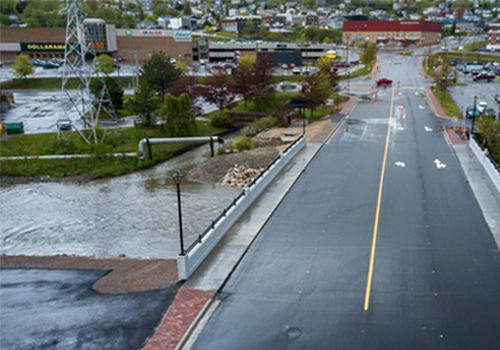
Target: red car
(384,82)
(484,76)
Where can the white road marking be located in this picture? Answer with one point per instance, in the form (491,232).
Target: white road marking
(400,164)
(417,93)
(427,128)
(421,107)
(439,165)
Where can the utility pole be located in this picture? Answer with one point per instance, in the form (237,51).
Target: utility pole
(79,46)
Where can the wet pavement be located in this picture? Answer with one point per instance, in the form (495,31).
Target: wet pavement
(134,214)
(348,261)
(55,309)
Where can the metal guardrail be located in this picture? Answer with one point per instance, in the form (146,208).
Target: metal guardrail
(235,201)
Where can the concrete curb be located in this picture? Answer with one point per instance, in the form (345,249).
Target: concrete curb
(209,303)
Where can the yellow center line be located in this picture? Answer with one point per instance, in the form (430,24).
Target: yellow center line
(377,212)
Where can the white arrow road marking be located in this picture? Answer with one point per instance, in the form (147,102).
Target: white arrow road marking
(417,93)
(400,164)
(400,128)
(427,128)
(439,165)
(421,107)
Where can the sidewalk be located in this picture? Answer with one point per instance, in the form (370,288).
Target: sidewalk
(486,194)
(197,297)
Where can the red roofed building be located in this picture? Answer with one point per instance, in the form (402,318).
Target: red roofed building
(419,32)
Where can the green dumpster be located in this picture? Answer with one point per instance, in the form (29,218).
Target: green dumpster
(14,128)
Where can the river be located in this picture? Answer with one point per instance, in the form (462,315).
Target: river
(134,214)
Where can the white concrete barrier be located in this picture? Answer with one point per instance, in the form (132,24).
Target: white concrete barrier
(486,162)
(188,263)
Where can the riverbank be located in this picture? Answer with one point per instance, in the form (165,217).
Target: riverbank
(124,140)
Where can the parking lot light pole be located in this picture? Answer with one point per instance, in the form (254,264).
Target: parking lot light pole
(178,178)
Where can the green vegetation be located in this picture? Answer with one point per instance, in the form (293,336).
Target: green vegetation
(449,106)
(243,143)
(116,141)
(357,73)
(490,135)
(22,68)
(54,83)
(474,46)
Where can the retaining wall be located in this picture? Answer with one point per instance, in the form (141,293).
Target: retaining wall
(188,263)
(486,162)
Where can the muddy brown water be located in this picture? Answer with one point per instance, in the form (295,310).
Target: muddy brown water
(135,214)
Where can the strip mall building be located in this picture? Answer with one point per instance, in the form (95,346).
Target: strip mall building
(46,43)
(387,32)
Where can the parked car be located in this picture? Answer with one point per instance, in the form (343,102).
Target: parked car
(474,72)
(488,111)
(472,112)
(297,70)
(481,106)
(497,98)
(354,63)
(291,66)
(64,125)
(1,64)
(341,64)
(484,76)
(57,61)
(50,65)
(284,66)
(384,82)
(38,63)
(173,61)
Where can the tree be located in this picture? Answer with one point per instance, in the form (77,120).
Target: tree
(144,103)
(460,7)
(159,72)
(22,67)
(187,9)
(263,93)
(327,68)
(141,11)
(115,91)
(188,84)
(219,88)
(44,14)
(93,5)
(244,77)
(180,120)
(105,64)
(315,90)
(369,54)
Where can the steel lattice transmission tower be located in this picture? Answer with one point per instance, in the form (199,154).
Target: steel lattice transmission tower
(88,106)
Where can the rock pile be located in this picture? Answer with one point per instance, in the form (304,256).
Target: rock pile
(239,176)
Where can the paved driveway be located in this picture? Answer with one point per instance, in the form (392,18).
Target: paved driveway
(56,309)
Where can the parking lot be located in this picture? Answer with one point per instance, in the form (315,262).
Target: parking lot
(463,95)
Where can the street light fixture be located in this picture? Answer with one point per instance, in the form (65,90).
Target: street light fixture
(178,178)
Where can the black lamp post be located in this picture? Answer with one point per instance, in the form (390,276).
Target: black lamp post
(178,178)
(443,87)
(474,115)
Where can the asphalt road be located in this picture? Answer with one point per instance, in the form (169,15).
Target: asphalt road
(436,268)
(56,309)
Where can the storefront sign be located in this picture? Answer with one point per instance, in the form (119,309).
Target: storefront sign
(43,46)
(182,36)
(152,32)
(97,45)
(128,32)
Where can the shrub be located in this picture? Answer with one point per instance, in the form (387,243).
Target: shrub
(243,143)
(222,121)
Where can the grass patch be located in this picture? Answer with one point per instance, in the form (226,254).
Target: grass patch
(117,141)
(360,72)
(53,83)
(449,106)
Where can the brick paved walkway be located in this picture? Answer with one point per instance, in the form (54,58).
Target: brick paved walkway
(182,312)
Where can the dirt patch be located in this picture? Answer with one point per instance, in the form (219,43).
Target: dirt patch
(215,168)
(126,275)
